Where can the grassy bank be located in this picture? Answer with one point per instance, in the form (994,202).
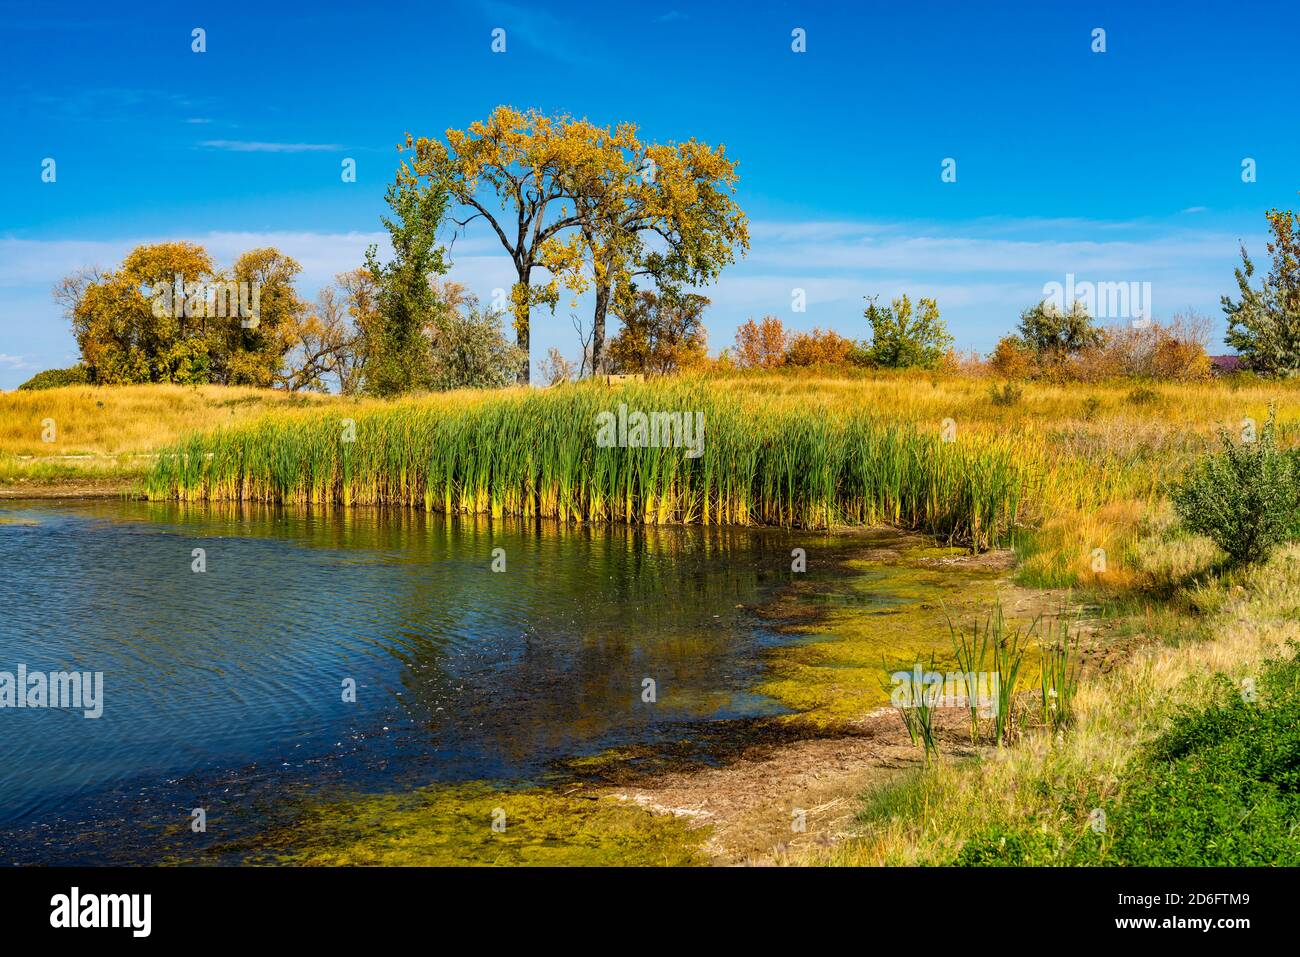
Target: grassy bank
(1082,466)
(1183,754)
(763,459)
(82,436)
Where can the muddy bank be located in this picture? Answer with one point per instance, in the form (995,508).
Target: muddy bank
(71,488)
(790,785)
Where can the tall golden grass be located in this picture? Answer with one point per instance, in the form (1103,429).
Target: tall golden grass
(110,433)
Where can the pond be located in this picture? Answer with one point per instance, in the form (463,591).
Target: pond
(229,639)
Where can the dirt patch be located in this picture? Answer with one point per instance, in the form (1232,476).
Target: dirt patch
(789,787)
(81,488)
(771,803)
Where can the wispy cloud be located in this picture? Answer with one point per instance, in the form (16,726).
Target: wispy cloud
(541,31)
(108,103)
(254,146)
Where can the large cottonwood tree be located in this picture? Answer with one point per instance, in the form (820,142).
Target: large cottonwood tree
(563,195)
(664,211)
(504,170)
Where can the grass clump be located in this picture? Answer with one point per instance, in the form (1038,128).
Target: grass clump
(971,651)
(1009,394)
(1059,674)
(915,700)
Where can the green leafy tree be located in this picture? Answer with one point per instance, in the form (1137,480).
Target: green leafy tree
(1264,325)
(397,340)
(56,378)
(626,191)
(254,348)
(131,327)
(505,171)
(904,337)
(1054,333)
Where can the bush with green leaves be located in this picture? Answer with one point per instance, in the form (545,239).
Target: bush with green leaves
(1009,394)
(54,378)
(470,351)
(1245,497)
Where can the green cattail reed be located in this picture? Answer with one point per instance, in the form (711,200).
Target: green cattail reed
(535,454)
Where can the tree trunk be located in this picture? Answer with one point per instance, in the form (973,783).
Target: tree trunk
(522,291)
(598,326)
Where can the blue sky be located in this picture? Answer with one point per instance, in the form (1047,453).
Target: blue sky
(1122,166)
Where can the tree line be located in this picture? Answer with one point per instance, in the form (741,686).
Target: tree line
(576,206)
(1063,343)
(582,208)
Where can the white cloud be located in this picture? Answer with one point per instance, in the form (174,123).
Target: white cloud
(982,273)
(253,146)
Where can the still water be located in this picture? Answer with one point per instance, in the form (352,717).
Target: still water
(226,687)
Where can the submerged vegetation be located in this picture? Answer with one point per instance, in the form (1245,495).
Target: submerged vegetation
(474,823)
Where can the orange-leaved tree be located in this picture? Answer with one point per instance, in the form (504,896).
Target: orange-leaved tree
(761,345)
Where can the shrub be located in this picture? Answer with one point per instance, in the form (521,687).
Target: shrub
(818,348)
(1143,395)
(1009,394)
(661,334)
(1180,361)
(1217,789)
(1244,498)
(470,351)
(963,363)
(904,336)
(1049,330)
(54,378)
(1012,359)
(1172,351)
(1220,787)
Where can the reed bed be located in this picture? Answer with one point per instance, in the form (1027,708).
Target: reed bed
(764,460)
